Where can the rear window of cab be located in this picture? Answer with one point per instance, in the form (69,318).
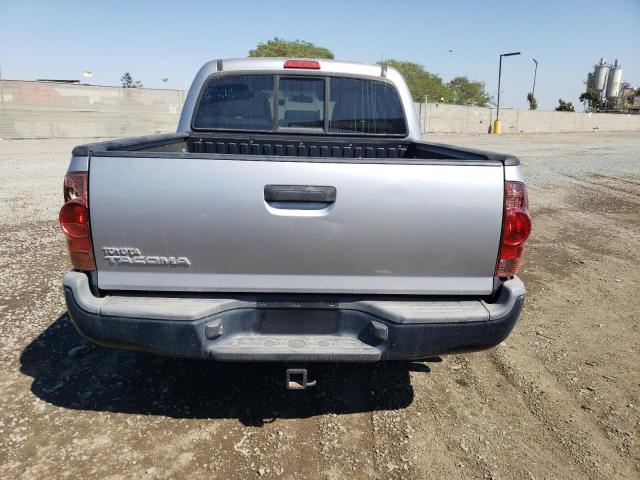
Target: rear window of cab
(280,103)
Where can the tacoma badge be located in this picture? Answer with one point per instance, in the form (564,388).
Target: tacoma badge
(133,256)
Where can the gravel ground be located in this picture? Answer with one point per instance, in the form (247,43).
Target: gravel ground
(559,399)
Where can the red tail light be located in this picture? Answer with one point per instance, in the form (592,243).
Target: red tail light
(516,227)
(304,64)
(74,220)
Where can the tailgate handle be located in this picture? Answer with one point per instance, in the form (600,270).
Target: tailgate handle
(299,193)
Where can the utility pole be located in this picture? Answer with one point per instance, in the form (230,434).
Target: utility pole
(497,126)
(535,72)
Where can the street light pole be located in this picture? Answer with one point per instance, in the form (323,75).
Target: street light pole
(535,72)
(497,129)
(499,77)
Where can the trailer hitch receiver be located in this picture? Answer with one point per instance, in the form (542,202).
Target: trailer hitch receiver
(297,379)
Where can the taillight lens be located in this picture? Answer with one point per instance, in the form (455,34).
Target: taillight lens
(516,227)
(74,220)
(76,187)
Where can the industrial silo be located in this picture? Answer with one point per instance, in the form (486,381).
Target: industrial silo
(615,78)
(600,75)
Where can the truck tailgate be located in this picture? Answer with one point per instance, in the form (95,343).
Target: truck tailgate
(205,225)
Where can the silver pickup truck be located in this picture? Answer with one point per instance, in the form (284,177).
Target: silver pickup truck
(295,216)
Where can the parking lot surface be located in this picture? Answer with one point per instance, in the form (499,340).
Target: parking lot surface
(559,399)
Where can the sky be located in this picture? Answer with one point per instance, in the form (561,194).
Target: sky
(162,39)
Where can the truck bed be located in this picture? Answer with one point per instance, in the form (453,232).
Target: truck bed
(372,150)
(403,217)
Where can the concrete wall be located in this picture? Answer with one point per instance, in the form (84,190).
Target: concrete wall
(52,110)
(445,118)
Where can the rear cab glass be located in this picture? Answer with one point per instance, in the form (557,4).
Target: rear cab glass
(281,103)
(238,102)
(301,102)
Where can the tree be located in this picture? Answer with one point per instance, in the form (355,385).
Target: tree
(565,106)
(533,103)
(592,97)
(128,81)
(466,92)
(421,83)
(278,47)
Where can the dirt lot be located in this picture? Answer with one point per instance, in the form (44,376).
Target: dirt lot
(559,399)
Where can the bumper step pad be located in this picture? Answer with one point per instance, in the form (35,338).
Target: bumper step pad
(294,347)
